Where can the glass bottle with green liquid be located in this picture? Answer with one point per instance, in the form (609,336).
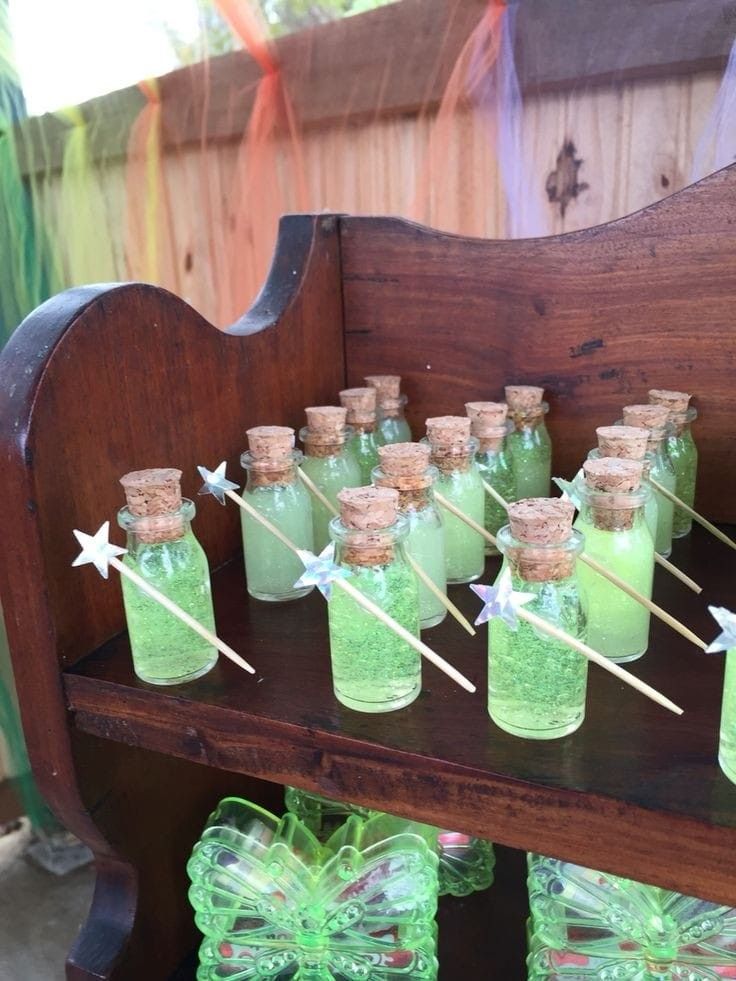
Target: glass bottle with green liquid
(529,443)
(490,426)
(163,550)
(361,417)
(275,491)
(405,467)
(726,641)
(390,405)
(327,462)
(537,684)
(612,519)
(453,452)
(373,669)
(655,419)
(681,451)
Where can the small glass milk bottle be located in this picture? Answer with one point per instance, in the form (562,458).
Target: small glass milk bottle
(529,443)
(453,452)
(275,491)
(163,550)
(654,418)
(373,670)
(361,416)
(536,684)
(727,738)
(405,467)
(327,462)
(392,424)
(616,535)
(682,452)
(488,424)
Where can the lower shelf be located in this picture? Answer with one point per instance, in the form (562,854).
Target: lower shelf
(480,936)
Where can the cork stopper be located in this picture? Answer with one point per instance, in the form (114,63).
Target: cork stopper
(673,401)
(623,442)
(646,416)
(270,442)
(327,419)
(448,438)
(487,423)
(546,522)
(361,406)
(405,467)
(523,398)
(386,386)
(614,480)
(154,496)
(368,510)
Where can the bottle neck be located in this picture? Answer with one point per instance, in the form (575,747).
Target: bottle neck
(534,562)
(367,426)
(156,529)
(392,408)
(324,444)
(613,511)
(529,418)
(452,458)
(271,473)
(374,547)
(415,490)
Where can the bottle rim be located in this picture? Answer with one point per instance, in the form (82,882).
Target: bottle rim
(132,522)
(391,535)
(574,544)
(293,459)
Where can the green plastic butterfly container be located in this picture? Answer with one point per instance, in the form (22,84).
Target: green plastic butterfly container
(465,863)
(273,902)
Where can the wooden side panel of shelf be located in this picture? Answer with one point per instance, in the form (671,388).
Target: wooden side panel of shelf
(98,381)
(597,317)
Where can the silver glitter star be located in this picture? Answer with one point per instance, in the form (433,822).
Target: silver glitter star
(215,482)
(97,550)
(727,622)
(320,570)
(500,601)
(569,491)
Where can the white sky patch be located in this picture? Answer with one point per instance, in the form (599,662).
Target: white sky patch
(69,51)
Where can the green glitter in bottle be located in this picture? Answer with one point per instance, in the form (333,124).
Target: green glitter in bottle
(364,448)
(536,684)
(654,418)
(331,467)
(491,428)
(390,404)
(683,455)
(271,569)
(373,670)
(163,550)
(361,415)
(529,444)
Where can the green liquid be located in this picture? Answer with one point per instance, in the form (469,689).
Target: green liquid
(683,454)
(663,473)
(496,469)
(727,744)
(464,548)
(364,448)
(331,474)
(165,650)
(531,458)
(426,545)
(618,626)
(394,429)
(536,685)
(271,569)
(373,670)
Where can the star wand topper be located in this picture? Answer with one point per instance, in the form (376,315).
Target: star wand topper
(503,602)
(97,550)
(323,568)
(726,620)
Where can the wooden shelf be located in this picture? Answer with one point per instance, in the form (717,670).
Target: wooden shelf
(636,791)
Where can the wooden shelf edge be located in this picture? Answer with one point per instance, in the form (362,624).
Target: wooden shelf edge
(614,836)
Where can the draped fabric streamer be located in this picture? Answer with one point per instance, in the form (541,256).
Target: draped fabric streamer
(82,218)
(717,146)
(270,169)
(149,247)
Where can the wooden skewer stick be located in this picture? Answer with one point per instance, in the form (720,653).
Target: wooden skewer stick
(419,571)
(363,601)
(599,659)
(693,514)
(600,569)
(314,489)
(659,559)
(177,611)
